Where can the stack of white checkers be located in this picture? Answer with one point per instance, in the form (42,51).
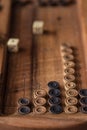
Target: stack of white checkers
(38,27)
(13,45)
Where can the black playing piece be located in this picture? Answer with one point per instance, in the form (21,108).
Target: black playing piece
(56,109)
(43,2)
(54,92)
(24,110)
(83,101)
(83,92)
(53,84)
(83,109)
(23,101)
(54,2)
(54,100)
(66,2)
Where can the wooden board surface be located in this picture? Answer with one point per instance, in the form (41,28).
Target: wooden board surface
(40,60)
(5,18)
(1,58)
(4,32)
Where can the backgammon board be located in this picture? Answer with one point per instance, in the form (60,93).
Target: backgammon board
(43,84)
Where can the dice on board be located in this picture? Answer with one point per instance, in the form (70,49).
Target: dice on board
(38,27)
(13,45)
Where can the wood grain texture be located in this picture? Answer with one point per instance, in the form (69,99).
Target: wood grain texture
(5,18)
(1,58)
(39,57)
(3,51)
(4,32)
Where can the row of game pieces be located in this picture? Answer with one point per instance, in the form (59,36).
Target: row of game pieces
(39,101)
(71,93)
(54,97)
(69,79)
(42,102)
(55,2)
(22,2)
(52,103)
(74,101)
(83,100)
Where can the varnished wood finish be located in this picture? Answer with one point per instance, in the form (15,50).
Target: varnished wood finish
(39,60)
(5,18)
(3,51)
(1,58)
(4,32)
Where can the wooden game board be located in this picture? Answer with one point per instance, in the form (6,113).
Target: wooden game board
(39,60)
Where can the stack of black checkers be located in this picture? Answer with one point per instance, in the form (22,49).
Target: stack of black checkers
(83,100)
(43,2)
(66,2)
(22,2)
(24,106)
(39,101)
(54,97)
(71,92)
(55,2)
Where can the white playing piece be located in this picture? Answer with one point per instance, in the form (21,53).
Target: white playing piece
(38,27)
(13,45)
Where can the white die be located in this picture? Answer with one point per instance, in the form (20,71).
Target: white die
(38,27)
(13,45)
